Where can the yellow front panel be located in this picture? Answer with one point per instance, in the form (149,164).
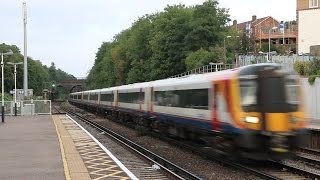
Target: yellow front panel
(252,126)
(277,122)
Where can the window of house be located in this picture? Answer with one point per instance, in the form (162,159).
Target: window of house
(313,3)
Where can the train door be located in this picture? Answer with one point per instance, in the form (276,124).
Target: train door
(220,113)
(272,101)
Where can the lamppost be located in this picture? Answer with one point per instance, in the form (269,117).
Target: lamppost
(273,28)
(2,78)
(15,85)
(224,47)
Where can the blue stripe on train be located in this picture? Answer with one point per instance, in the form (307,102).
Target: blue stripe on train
(198,123)
(201,124)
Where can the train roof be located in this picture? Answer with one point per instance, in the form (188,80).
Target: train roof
(255,68)
(134,86)
(91,91)
(107,89)
(198,80)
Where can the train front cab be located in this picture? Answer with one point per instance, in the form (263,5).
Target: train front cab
(271,110)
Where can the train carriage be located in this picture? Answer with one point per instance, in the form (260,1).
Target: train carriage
(107,99)
(183,102)
(254,110)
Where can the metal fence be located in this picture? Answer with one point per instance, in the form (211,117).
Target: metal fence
(286,62)
(28,107)
(251,59)
(207,69)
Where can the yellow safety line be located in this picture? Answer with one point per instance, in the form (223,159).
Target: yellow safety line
(63,155)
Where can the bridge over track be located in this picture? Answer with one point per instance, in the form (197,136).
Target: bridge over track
(72,85)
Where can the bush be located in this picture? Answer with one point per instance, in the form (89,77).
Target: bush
(302,67)
(314,67)
(312,78)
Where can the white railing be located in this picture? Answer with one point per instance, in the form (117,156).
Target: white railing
(207,69)
(28,107)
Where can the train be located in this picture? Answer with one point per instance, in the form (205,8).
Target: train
(255,111)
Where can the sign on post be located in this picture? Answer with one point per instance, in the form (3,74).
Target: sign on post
(281,27)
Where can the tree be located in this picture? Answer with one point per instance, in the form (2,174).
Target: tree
(102,73)
(53,72)
(168,42)
(208,26)
(247,44)
(159,45)
(265,47)
(38,74)
(198,59)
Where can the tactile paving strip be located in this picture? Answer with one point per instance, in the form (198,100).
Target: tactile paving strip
(100,166)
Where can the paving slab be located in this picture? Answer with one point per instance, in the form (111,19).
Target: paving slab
(29,149)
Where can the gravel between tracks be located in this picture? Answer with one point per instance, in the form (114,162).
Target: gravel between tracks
(205,169)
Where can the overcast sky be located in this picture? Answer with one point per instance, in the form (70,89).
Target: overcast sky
(69,32)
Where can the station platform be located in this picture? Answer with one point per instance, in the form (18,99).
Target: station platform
(314,124)
(54,147)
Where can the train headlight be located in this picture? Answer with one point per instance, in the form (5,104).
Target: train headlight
(295,119)
(251,119)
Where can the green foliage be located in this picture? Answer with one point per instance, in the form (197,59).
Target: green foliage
(265,47)
(247,44)
(314,67)
(312,78)
(302,67)
(308,68)
(102,73)
(7,97)
(198,58)
(314,70)
(163,44)
(38,74)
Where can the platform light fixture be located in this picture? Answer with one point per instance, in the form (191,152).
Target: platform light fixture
(273,28)
(2,76)
(15,85)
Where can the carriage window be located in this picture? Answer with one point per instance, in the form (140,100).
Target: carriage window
(85,97)
(248,92)
(106,97)
(193,98)
(292,91)
(93,97)
(132,97)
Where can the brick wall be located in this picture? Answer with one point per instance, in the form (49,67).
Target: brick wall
(315,50)
(302,4)
(263,28)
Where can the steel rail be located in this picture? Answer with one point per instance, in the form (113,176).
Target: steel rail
(166,165)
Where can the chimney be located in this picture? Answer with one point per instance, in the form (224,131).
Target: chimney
(235,22)
(254,17)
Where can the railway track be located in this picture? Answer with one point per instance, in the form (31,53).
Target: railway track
(310,156)
(173,171)
(285,171)
(271,170)
(55,109)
